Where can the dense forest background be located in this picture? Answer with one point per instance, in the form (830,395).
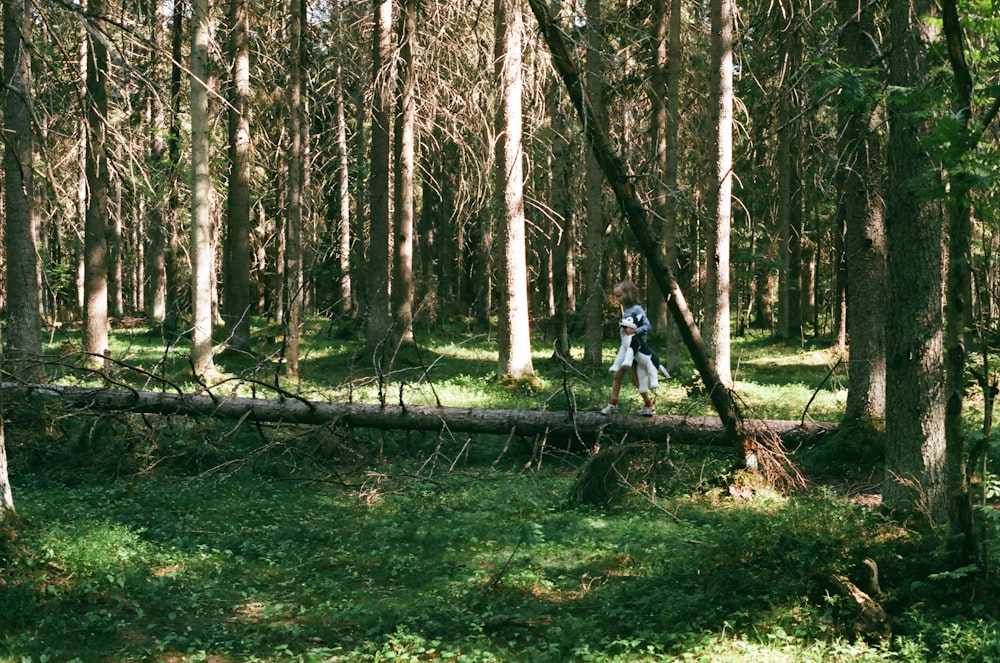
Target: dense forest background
(813,169)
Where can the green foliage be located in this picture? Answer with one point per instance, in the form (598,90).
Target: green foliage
(178,539)
(473,565)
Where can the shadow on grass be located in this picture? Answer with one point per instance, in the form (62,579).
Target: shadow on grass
(490,563)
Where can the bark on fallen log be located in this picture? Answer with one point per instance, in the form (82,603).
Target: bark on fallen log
(587,426)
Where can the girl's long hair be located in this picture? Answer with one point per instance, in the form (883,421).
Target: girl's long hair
(630,293)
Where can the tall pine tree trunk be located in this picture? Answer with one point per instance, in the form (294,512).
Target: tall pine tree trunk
(860,194)
(515,335)
(155,284)
(343,179)
(379,247)
(236,301)
(95,279)
(20,221)
(666,82)
(403,209)
(295,209)
(596,225)
(914,400)
(562,230)
(202,260)
(957,293)
(717,323)
(173,259)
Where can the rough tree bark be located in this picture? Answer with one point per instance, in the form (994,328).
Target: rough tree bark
(95,279)
(915,477)
(23,325)
(859,191)
(717,249)
(201,222)
(514,338)
(155,296)
(295,213)
(403,209)
(594,267)
(236,293)
(585,426)
(379,185)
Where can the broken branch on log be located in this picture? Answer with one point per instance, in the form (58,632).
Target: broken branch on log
(588,426)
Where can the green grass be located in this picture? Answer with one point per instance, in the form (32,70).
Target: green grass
(172,539)
(455,367)
(471,565)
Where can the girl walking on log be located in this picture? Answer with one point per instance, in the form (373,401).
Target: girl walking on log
(634,355)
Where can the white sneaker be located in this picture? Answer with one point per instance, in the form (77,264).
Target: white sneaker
(646,411)
(609,409)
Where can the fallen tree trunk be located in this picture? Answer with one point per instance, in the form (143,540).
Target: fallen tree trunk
(585,426)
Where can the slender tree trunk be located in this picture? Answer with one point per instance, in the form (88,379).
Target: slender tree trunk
(20,221)
(864,244)
(95,280)
(717,321)
(793,318)
(343,179)
(480,266)
(295,214)
(448,236)
(380,221)
(668,68)
(915,437)
(562,225)
(957,295)
(403,209)
(787,241)
(155,283)
(672,208)
(172,233)
(765,275)
(236,294)
(116,280)
(515,334)
(659,125)
(202,260)
(597,226)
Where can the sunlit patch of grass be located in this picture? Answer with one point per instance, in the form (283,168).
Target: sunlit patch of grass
(790,401)
(94,547)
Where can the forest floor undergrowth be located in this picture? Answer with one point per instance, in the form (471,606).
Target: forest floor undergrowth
(172,539)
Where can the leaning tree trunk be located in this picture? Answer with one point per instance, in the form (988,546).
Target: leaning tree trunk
(637,216)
